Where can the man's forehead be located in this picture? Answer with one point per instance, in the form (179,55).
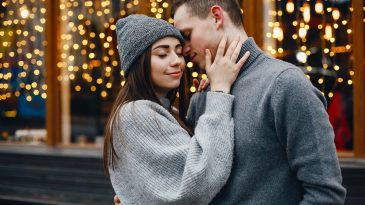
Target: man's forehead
(182,18)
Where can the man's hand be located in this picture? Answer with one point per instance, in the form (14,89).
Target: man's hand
(117,200)
(202,85)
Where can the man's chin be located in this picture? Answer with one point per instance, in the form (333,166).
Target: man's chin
(201,65)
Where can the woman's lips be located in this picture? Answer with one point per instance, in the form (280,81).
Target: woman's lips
(175,74)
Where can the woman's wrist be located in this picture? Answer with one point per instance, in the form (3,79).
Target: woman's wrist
(220,89)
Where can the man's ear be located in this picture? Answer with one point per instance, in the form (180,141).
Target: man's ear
(217,13)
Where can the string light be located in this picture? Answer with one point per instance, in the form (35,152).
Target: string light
(319,7)
(331,20)
(22,25)
(290,6)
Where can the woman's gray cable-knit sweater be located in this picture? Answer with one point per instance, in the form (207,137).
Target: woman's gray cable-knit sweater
(159,163)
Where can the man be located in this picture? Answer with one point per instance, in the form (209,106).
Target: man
(284,149)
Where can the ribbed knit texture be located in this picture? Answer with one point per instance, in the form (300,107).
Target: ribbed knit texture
(161,164)
(284,143)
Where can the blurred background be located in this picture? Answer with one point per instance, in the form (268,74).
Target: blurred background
(60,72)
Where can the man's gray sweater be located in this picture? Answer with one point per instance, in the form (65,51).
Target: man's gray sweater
(284,144)
(160,163)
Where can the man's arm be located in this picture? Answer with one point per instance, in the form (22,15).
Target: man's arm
(196,107)
(303,128)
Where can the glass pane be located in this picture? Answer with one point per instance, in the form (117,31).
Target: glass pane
(316,36)
(90,70)
(22,72)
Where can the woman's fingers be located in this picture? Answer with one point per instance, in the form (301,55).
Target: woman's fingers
(221,47)
(242,60)
(232,47)
(208,59)
(237,51)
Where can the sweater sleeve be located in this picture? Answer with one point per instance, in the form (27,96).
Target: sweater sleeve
(304,130)
(166,164)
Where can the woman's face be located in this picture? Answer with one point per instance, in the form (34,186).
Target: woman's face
(167,65)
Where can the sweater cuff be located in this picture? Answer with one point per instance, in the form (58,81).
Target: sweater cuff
(219,102)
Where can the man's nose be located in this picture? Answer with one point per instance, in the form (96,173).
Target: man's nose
(187,48)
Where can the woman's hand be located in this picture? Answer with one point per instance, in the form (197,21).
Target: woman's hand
(117,200)
(224,70)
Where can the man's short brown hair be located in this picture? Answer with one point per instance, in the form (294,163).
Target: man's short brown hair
(201,8)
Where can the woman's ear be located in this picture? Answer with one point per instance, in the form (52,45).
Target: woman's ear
(217,13)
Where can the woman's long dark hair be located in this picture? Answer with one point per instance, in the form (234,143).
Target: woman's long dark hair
(139,86)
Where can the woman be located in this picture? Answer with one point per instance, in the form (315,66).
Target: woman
(150,153)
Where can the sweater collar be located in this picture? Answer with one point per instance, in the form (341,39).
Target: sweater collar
(165,102)
(255,51)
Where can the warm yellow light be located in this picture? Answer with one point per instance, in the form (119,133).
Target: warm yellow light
(77,88)
(192,89)
(320,81)
(29,98)
(301,57)
(34,85)
(336,14)
(302,33)
(290,6)
(349,82)
(340,80)
(72,76)
(88,3)
(330,94)
(278,33)
(44,95)
(24,12)
(104,94)
(328,32)
(318,7)
(306,12)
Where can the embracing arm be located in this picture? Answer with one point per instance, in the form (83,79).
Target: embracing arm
(166,164)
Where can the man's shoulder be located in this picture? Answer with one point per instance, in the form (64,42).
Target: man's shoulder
(274,65)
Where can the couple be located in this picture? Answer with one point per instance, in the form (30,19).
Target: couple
(259,135)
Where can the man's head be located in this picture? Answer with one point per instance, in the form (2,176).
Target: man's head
(204,22)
